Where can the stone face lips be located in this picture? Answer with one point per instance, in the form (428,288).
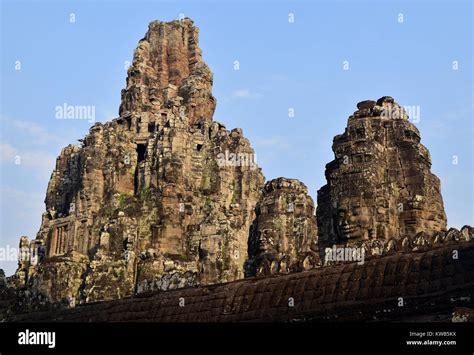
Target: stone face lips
(379,186)
(284,236)
(160,198)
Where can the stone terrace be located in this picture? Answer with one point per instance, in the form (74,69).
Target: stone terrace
(432,284)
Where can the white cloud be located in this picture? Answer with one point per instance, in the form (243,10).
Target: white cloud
(272,142)
(24,201)
(7,152)
(39,134)
(39,161)
(245,94)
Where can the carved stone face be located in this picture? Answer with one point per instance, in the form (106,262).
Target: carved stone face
(266,241)
(354,223)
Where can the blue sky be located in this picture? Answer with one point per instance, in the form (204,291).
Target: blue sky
(283,65)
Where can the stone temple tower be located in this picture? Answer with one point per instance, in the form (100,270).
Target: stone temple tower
(379,186)
(154,199)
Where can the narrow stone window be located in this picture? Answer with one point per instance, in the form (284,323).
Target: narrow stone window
(151,127)
(139,123)
(154,234)
(360,133)
(59,240)
(141,150)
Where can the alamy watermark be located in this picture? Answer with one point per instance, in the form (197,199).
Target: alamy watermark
(344,254)
(8,253)
(227,159)
(29,337)
(75,112)
(397,112)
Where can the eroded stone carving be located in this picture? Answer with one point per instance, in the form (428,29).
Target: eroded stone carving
(379,186)
(284,236)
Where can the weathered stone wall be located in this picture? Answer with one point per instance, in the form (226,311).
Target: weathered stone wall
(379,186)
(431,284)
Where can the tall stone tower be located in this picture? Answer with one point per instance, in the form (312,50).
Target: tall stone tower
(159,198)
(379,185)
